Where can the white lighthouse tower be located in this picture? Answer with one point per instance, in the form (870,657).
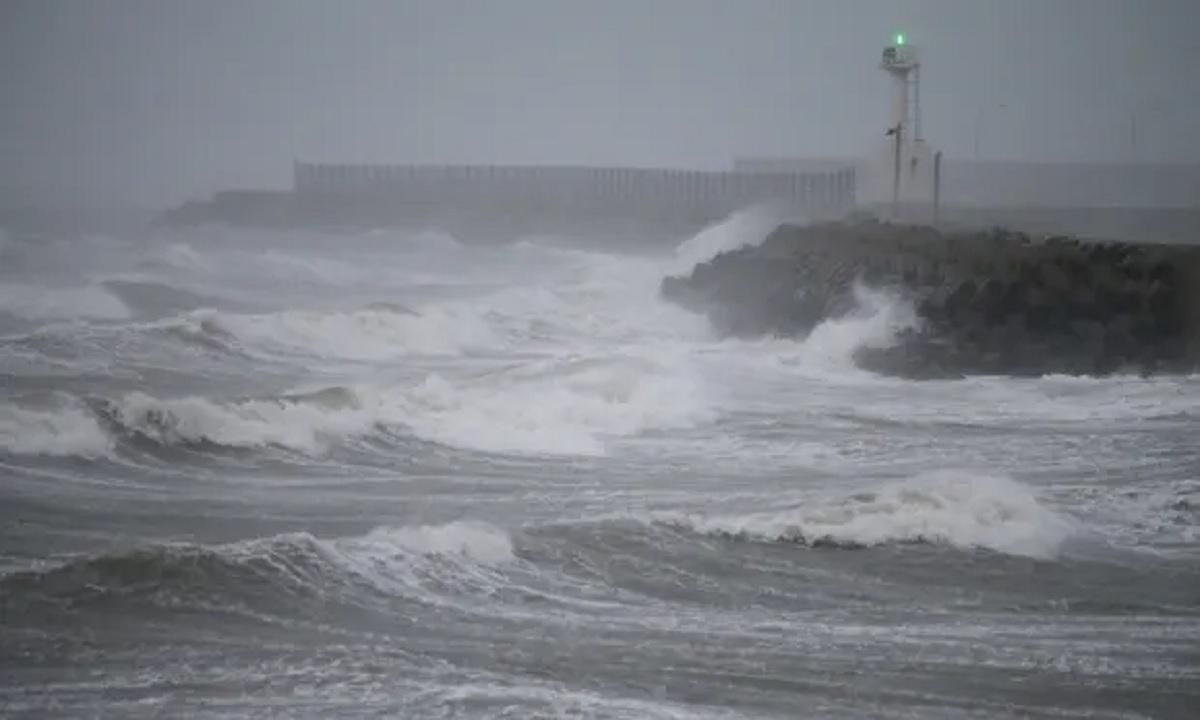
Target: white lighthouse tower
(901,170)
(900,61)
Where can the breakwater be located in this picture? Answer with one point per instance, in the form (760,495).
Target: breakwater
(498,200)
(985,302)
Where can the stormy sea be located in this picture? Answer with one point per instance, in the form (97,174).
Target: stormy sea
(389,474)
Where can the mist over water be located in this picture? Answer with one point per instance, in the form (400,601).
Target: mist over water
(435,479)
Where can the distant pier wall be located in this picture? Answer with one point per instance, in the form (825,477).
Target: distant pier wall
(549,194)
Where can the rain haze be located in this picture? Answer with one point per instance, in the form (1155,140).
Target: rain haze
(148,103)
(624,360)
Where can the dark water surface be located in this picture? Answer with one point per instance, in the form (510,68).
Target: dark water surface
(387,475)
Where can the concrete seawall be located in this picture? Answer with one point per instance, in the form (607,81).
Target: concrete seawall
(992,302)
(505,201)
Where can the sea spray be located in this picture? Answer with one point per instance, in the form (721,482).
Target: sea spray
(743,228)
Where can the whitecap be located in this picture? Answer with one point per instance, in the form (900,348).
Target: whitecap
(67,430)
(37,302)
(963,509)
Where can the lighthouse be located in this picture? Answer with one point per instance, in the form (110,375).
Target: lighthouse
(900,61)
(903,170)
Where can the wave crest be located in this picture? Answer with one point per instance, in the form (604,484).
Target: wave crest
(379,331)
(741,229)
(307,423)
(67,430)
(964,510)
(566,408)
(38,303)
(410,560)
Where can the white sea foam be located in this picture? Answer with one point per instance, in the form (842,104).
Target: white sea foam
(36,302)
(597,300)
(574,408)
(571,407)
(963,509)
(464,540)
(307,268)
(377,332)
(443,564)
(743,228)
(474,541)
(60,431)
(557,407)
(180,256)
(308,424)
(875,321)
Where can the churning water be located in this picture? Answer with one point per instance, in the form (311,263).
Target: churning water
(286,474)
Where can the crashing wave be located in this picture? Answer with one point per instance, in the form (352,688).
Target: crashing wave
(307,423)
(996,303)
(963,510)
(65,430)
(39,303)
(150,297)
(379,331)
(559,407)
(744,228)
(415,561)
(563,408)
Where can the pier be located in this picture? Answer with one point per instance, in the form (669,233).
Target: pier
(562,195)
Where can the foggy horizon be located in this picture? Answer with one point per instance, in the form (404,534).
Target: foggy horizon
(146,104)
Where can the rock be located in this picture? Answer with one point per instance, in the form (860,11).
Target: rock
(993,302)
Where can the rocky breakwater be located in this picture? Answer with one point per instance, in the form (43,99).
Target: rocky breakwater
(986,302)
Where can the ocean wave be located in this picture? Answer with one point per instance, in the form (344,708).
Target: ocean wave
(306,268)
(42,303)
(566,408)
(305,422)
(308,423)
(561,407)
(743,228)
(177,256)
(63,431)
(378,331)
(961,509)
(874,321)
(150,297)
(419,562)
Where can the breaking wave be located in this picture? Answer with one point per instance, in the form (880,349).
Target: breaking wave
(379,331)
(69,430)
(559,407)
(39,303)
(875,321)
(414,561)
(308,423)
(964,510)
(566,408)
(741,229)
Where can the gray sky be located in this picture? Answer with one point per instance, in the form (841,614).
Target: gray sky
(150,101)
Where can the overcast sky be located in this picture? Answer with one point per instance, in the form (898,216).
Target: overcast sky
(148,102)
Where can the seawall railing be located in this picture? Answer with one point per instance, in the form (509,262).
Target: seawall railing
(588,191)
